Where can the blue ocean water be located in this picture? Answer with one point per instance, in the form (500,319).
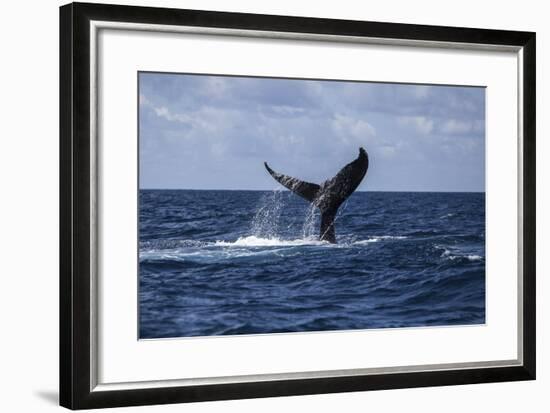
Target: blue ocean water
(248,262)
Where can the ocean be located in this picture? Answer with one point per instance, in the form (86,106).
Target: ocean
(215,262)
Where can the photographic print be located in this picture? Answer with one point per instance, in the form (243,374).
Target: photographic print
(275,205)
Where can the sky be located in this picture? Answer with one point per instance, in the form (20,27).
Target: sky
(215,132)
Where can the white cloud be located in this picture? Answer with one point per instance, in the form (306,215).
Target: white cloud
(460,127)
(456,127)
(421,124)
(388,151)
(164,112)
(217,87)
(421,92)
(204,118)
(347,127)
(309,129)
(287,110)
(143,100)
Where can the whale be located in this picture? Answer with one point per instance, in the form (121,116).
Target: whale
(329,195)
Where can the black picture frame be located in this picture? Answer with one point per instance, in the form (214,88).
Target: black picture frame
(75,219)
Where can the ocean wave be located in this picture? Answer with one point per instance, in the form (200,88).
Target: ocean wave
(169,244)
(449,215)
(215,251)
(377,238)
(191,247)
(253,241)
(455,254)
(471,257)
(424,233)
(255,265)
(243,247)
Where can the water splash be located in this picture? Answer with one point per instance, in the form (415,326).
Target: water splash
(265,223)
(311,223)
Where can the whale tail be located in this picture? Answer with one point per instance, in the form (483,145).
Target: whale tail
(330,194)
(306,190)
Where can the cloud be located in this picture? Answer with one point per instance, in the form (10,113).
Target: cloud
(143,100)
(422,92)
(434,102)
(388,151)
(163,112)
(284,110)
(216,131)
(348,127)
(421,124)
(461,127)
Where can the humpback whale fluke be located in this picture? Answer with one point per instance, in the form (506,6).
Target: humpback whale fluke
(330,194)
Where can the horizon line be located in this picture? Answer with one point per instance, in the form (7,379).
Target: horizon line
(286,190)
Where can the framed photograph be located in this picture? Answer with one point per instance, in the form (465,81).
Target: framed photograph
(257,206)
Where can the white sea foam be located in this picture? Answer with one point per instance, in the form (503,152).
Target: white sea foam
(208,253)
(180,249)
(254,241)
(454,254)
(450,215)
(366,241)
(472,257)
(378,238)
(445,252)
